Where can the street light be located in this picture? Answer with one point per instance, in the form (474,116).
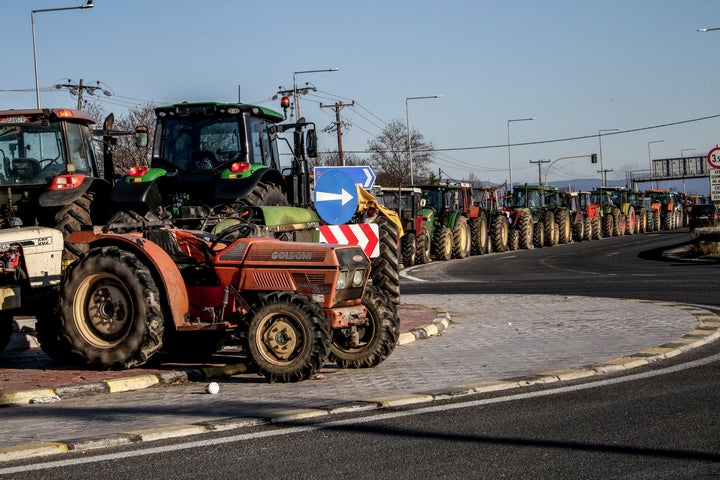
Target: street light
(602,169)
(708,29)
(407,125)
(508,135)
(89,4)
(295,92)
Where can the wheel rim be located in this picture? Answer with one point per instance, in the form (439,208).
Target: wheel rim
(103,316)
(278,339)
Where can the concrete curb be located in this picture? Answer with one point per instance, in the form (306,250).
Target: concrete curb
(706,331)
(48,395)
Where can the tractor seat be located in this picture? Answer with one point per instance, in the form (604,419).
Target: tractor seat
(25,168)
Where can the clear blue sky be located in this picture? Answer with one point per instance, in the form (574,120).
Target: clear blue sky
(576,66)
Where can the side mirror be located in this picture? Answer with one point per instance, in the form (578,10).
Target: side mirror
(141,136)
(311,143)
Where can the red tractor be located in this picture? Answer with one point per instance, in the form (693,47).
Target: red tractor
(291,305)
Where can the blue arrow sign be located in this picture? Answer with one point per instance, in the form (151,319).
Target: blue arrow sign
(362,175)
(335,197)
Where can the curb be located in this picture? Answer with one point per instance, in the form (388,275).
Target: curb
(706,331)
(49,395)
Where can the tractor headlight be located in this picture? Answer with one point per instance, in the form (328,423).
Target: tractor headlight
(341,280)
(358,278)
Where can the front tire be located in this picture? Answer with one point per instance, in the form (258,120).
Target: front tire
(288,337)
(375,341)
(110,311)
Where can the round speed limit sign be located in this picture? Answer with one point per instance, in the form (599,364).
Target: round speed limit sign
(714,157)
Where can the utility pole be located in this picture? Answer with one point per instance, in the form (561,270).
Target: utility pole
(604,173)
(80,88)
(539,164)
(338,125)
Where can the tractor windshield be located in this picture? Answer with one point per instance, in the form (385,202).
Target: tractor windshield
(197,143)
(527,198)
(660,197)
(437,199)
(34,153)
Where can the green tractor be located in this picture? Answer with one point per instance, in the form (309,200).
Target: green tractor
(616,213)
(214,165)
(534,212)
(459,226)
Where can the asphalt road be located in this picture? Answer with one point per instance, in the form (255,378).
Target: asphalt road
(660,421)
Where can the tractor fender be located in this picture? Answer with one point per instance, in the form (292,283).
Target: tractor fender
(232,189)
(141,197)
(162,266)
(55,196)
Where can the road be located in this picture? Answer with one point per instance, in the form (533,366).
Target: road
(659,421)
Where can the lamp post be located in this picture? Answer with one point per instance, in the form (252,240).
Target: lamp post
(89,4)
(295,95)
(508,139)
(407,125)
(602,169)
(649,157)
(708,29)
(562,158)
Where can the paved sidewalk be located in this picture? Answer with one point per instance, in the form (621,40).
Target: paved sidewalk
(493,342)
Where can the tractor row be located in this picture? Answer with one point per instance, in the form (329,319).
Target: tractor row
(190,252)
(455,220)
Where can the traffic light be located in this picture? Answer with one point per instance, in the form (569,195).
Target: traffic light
(593,158)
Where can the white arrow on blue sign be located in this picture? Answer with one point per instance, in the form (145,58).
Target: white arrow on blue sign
(362,175)
(335,197)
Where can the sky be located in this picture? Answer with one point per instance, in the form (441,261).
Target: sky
(636,70)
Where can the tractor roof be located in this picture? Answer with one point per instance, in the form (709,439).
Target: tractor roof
(215,108)
(38,114)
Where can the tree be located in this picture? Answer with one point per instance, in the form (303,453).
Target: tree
(390,156)
(332,159)
(125,153)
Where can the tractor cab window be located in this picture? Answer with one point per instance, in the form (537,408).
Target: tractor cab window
(257,141)
(204,144)
(80,148)
(27,150)
(433,199)
(518,198)
(534,199)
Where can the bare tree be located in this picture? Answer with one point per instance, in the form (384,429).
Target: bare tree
(330,158)
(390,155)
(125,153)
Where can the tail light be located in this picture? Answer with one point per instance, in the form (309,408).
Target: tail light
(137,171)
(66,181)
(239,167)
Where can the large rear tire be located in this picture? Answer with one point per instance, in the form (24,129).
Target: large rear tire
(631,219)
(375,340)
(525,228)
(110,311)
(539,234)
(562,217)
(442,244)
(500,233)
(385,271)
(424,246)
(264,194)
(288,337)
(608,225)
(461,238)
(408,247)
(578,227)
(72,218)
(479,238)
(550,229)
